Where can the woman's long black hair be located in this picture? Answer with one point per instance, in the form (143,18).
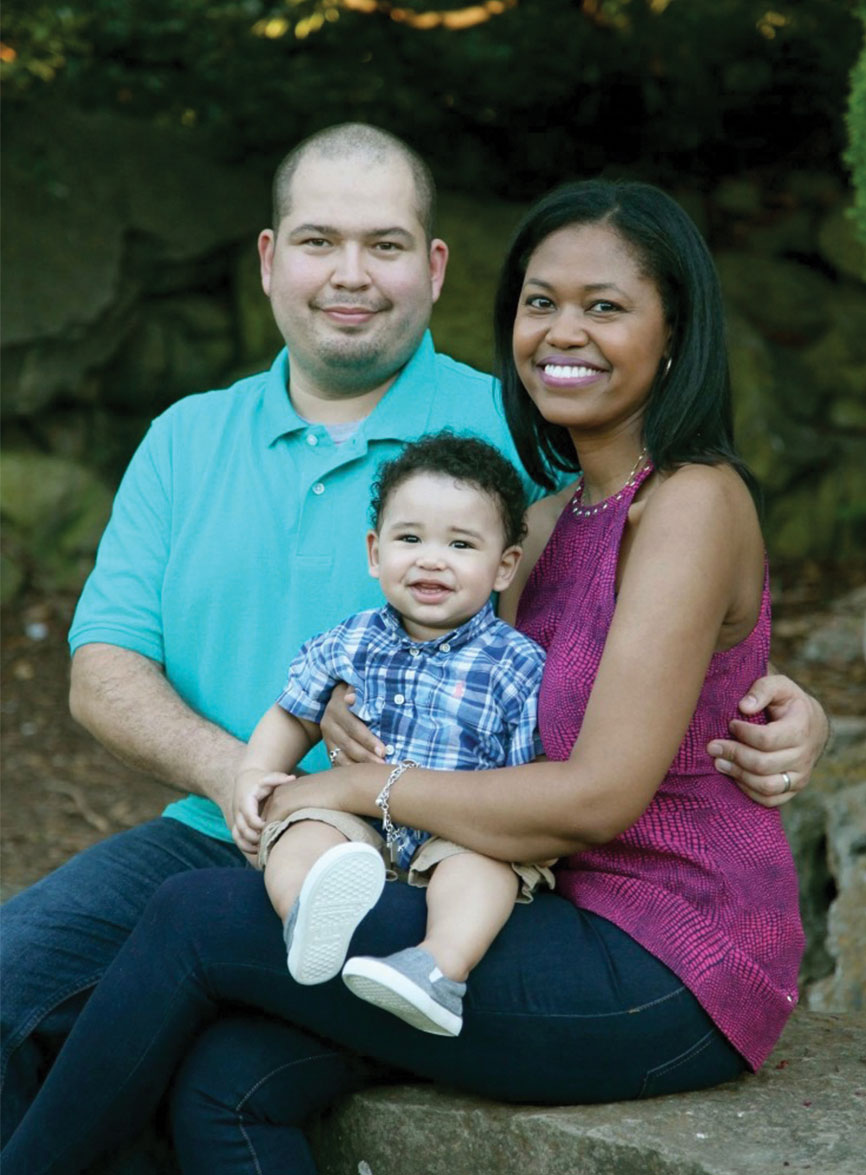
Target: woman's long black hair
(689,416)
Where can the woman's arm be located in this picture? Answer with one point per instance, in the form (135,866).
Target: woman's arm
(755,756)
(683,572)
(791,741)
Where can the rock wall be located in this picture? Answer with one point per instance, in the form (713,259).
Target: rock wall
(802,1112)
(826,827)
(130,266)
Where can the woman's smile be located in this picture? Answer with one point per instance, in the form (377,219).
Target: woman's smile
(562,372)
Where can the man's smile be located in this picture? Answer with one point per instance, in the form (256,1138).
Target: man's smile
(349,314)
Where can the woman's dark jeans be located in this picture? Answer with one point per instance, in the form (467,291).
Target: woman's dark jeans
(564,1008)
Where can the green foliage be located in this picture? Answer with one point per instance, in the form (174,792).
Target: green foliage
(856,153)
(547,90)
(38,43)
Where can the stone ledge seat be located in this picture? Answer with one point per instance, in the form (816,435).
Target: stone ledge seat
(804,1112)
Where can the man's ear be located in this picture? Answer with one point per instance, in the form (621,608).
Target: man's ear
(373,553)
(438,265)
(267,242)
(508,565)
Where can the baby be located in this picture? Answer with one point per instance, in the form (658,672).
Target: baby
(445,685)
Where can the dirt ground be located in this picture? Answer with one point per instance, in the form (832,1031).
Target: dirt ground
(61,791)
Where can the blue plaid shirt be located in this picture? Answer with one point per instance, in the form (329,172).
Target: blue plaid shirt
(467,700)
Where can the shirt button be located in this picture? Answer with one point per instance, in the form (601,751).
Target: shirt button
(318,488)
(399,699)
(389,749)
(445,647)
(413,652)
(312,439)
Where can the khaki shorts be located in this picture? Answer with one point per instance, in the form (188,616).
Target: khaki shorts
(427,856)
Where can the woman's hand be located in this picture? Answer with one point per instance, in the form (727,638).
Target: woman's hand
(343,789)
(772,763)
(346,737)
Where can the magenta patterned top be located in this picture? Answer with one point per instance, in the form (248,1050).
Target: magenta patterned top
(704,879)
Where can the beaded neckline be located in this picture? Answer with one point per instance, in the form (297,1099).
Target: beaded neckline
(637,471)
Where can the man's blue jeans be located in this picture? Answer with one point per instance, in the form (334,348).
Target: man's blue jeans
(58,937)
(563,1008)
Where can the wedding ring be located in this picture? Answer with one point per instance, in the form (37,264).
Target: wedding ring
(332,755)
(787,778)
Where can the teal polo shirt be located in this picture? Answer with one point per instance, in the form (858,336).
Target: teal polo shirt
(238,532)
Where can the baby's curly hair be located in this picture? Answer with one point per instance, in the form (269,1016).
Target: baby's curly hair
(465,458)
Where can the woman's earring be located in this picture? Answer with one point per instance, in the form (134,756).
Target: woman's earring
(667,369)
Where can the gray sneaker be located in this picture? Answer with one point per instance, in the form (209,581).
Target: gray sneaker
(343,885)
(410,985)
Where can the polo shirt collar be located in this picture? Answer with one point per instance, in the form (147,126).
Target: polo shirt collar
(463,635)
(393,418)
(280,417)
(396,416)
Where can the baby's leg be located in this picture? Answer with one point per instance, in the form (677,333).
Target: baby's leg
(321,884)
(469,900)
(291,859)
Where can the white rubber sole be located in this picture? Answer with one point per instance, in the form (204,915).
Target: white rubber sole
(375,982)
(343,885)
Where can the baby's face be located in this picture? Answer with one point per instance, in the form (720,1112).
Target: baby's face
(439,553)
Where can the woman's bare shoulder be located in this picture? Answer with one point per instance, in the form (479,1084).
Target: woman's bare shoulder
(701,490)
(700,527)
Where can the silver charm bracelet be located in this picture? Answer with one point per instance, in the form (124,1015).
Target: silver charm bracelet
(382,802)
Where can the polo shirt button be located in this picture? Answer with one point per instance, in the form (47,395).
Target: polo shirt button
(389,749)
(445,647)
(399,699)
(312,439)
(318,488)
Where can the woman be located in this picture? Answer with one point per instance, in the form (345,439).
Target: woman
(667,960)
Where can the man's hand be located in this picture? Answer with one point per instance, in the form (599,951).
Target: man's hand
(772,763)
(347,738)
(253,788)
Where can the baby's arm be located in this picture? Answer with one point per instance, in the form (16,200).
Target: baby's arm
(276,745)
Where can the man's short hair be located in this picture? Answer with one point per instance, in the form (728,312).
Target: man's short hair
(468,460)
(350,140)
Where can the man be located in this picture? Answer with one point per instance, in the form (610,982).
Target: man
(234,538)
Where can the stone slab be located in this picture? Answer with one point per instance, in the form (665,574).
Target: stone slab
(804,1112)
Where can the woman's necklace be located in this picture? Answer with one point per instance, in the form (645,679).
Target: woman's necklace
(587,511)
